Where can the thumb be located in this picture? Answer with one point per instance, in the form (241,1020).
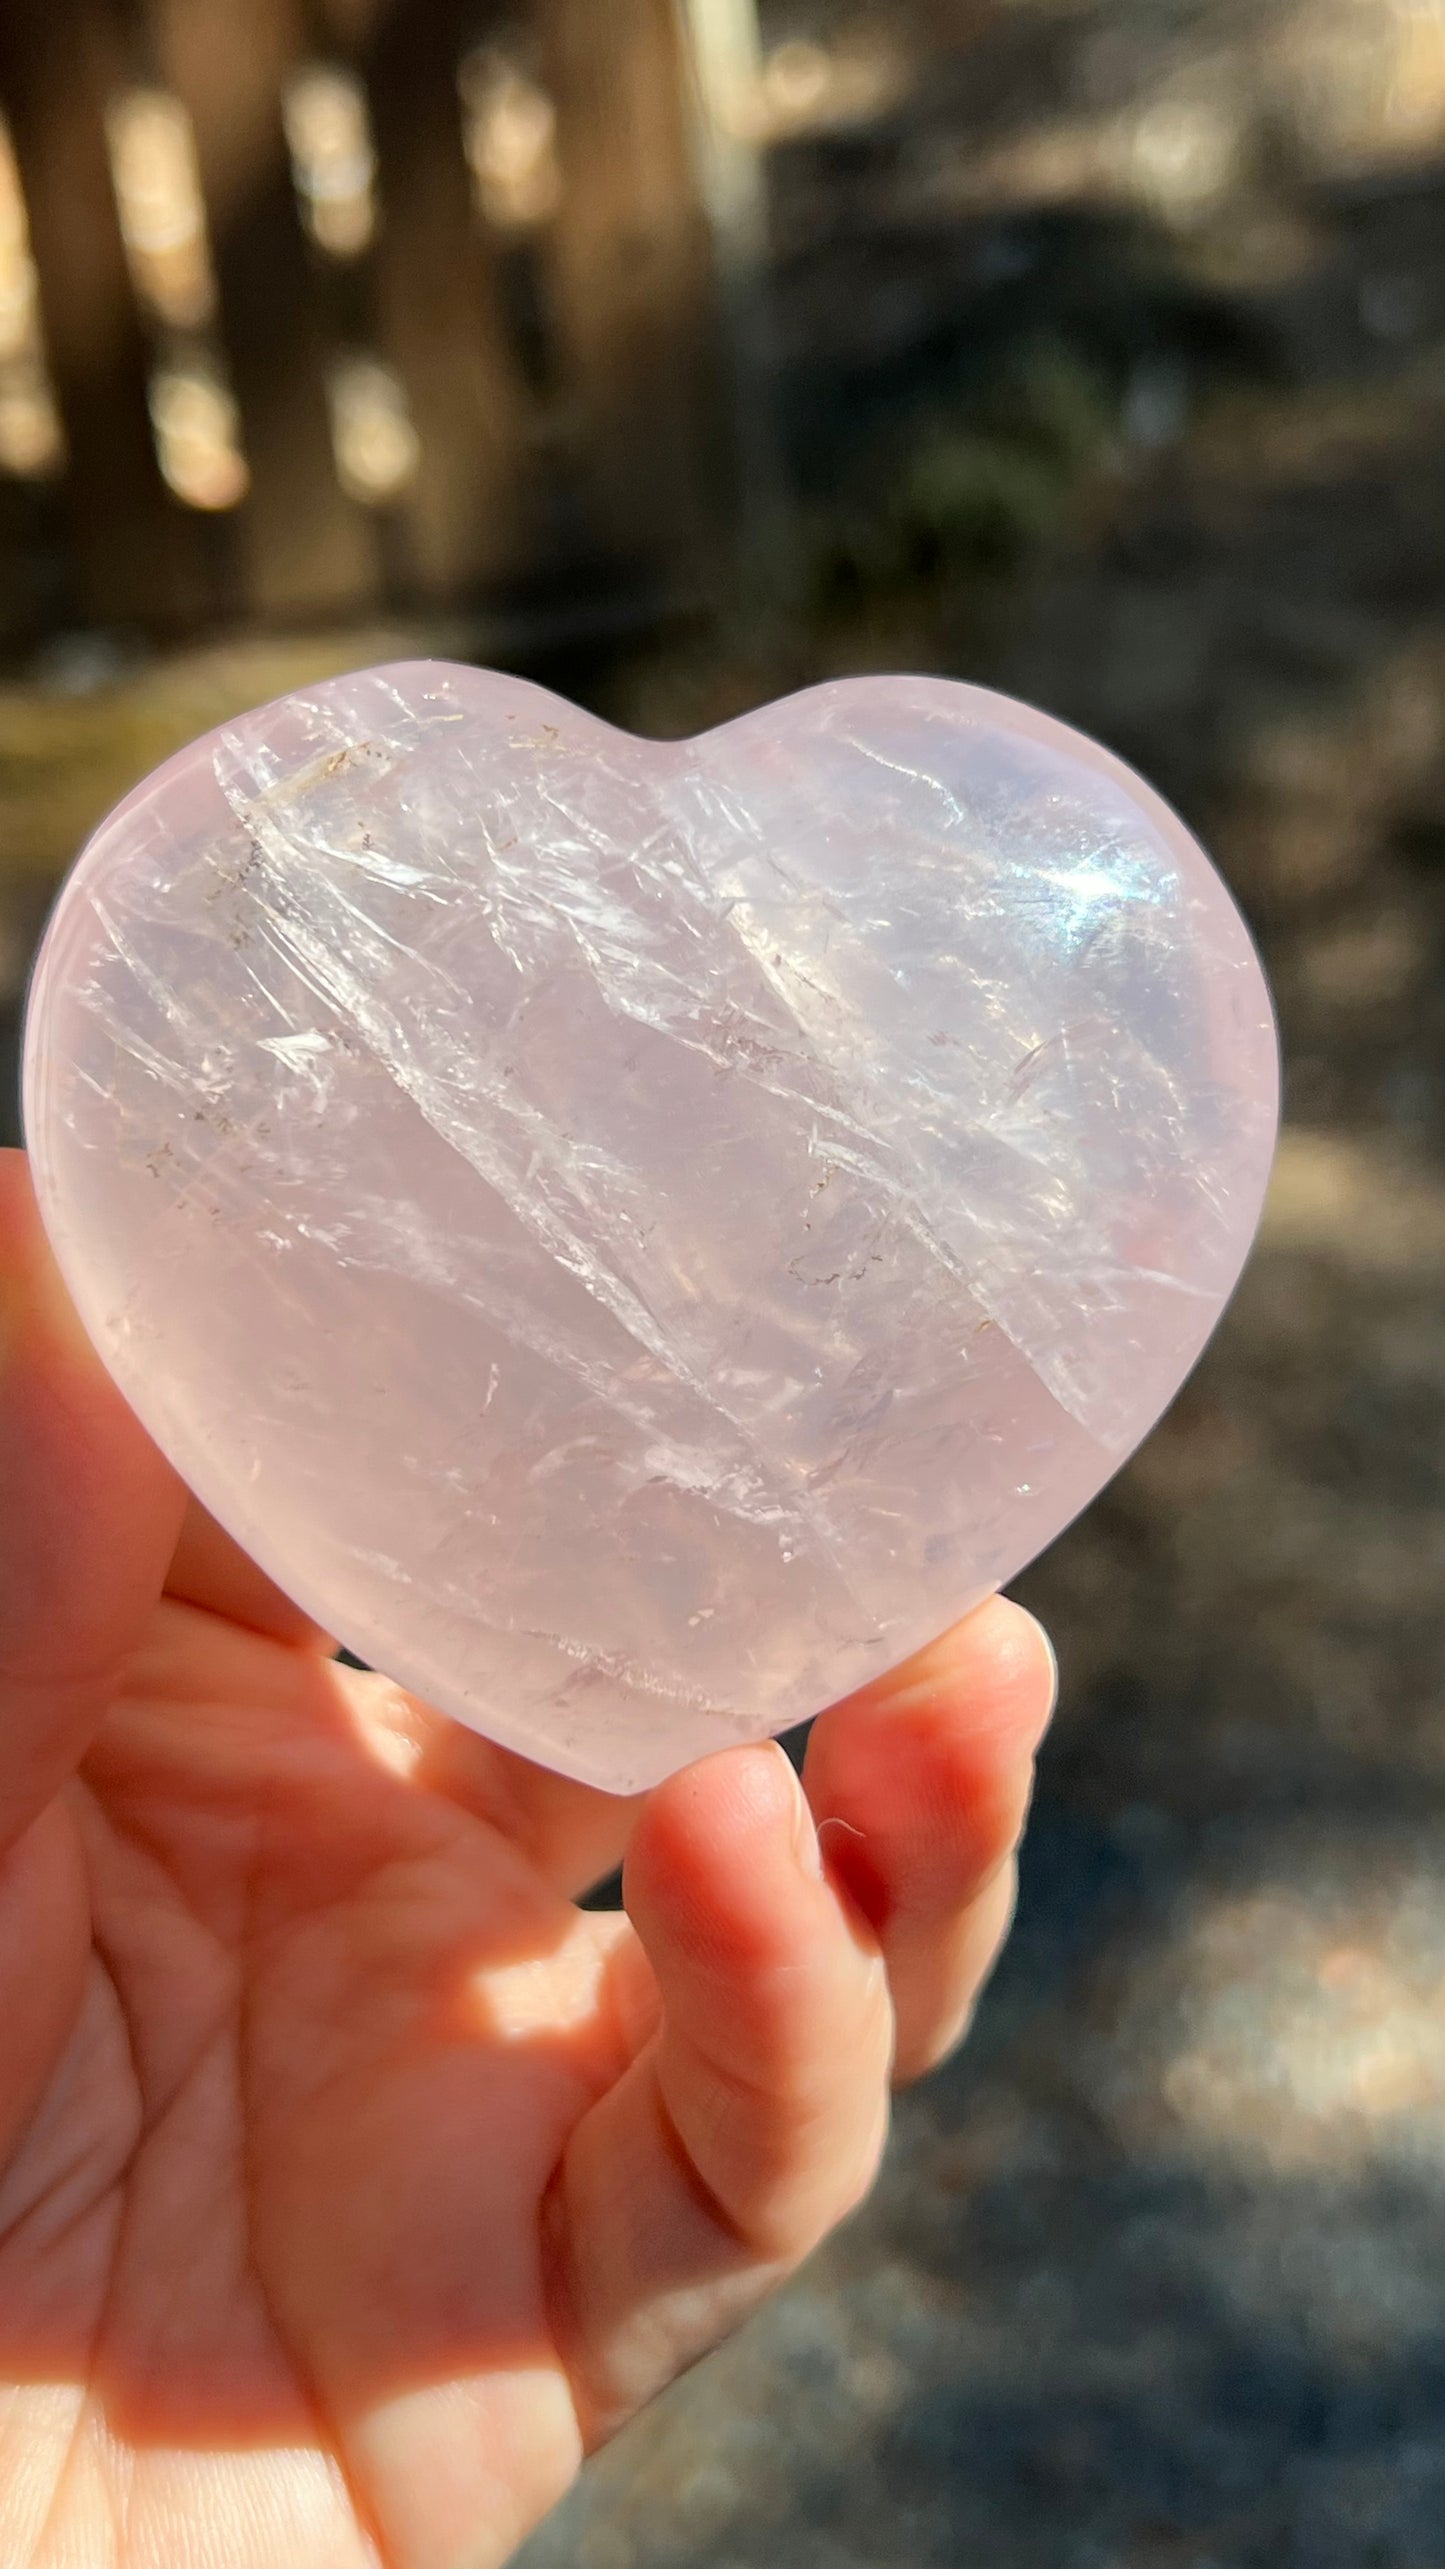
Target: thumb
(89,1515)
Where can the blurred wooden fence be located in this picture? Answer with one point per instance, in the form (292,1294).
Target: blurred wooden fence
(311,310)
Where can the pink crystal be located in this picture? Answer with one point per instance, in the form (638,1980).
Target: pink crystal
(637,1239)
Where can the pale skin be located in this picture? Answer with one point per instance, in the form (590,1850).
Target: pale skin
(354,2184)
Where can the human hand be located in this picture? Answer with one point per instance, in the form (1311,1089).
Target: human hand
(353,2183)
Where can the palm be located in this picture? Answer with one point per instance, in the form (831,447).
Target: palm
(352,2181)
(311,1991)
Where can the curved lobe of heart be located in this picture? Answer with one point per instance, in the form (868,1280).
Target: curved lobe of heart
(638,1238)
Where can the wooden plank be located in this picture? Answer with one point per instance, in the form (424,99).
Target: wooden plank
(467,515)
(632,277)
(304,550)
(139,557)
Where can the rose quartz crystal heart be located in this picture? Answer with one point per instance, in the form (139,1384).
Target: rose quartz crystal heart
(637,1239)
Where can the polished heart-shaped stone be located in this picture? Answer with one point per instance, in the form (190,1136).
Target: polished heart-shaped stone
(636,1239)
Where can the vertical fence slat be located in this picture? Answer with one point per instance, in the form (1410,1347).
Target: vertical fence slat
(138,559)
(560,371)
(304,549)
(466,515)
(632,276)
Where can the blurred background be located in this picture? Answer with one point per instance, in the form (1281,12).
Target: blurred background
(680,352)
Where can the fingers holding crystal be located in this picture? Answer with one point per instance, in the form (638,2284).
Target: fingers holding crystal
(767,1993)
(941,1753)
(570,1833)
(753,2119)
(920,1787)
(209,1569)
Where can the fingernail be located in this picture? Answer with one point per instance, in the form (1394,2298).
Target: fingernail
(805,1830)
(1046,1637)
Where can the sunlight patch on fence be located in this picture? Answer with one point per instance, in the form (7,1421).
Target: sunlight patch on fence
(162,214)
(194,419)
(806,87)
(333,159)
(198,434)
(509,131)
(725,50)
(376,447)
(31,442)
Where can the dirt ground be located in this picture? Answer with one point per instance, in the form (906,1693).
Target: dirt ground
(1154,2279)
